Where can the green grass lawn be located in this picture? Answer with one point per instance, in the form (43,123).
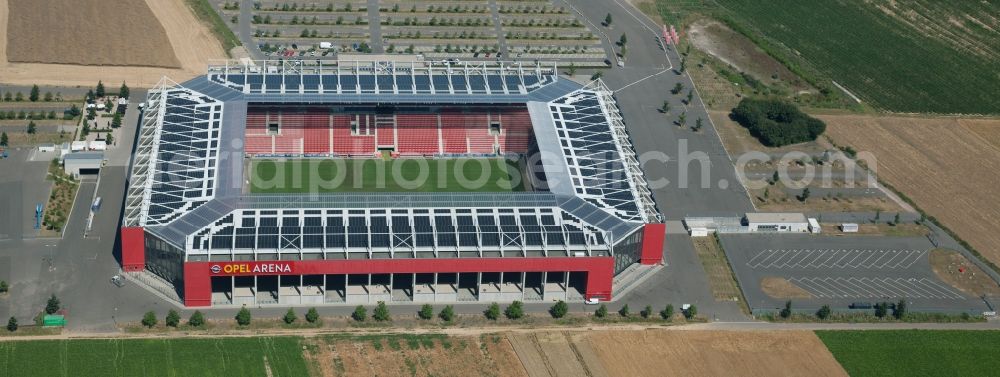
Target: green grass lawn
(915,352)
(371,175)
(154,357)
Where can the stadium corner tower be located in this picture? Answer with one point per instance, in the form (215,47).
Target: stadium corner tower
(192,223)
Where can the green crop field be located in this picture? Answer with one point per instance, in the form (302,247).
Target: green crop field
(154,357)
(370,175)
(903,56)
(915,352)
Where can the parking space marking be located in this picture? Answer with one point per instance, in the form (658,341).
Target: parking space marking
(873,259)
(875,288)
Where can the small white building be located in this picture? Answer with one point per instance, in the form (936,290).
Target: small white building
(849,227)
(47,147)
(699,232)
(98,145)
(78,146)
(777,222)
(814,226)
(325,45)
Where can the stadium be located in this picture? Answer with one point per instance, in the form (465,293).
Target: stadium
(281,182)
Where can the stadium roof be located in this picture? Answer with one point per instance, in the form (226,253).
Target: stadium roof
(187,171)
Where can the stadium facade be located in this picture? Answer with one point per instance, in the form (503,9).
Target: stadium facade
(190,219)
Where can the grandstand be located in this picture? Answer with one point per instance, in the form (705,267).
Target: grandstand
(192,221)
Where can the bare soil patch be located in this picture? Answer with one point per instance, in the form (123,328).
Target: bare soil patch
(87,32)
(954,269)
(714,353)
(781,288)
(740,52)
(413,355)
(946,165)
(181,36)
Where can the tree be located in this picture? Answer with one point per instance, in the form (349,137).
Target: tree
(312,315)
(492,312)
(678,87)
(622,40)
(624,311)
(691,312)
(899,310)
(116,121)
(197,319)
(52,306)
(8,97)
(665,108)
(3,143)
(805,194)
(48,97)
(776,123)
(559,310)
(823,312)
(426,312)
(360,313)
(33,96)
(19,97)
(682,119)
(32,128)
(243,317)
(774,177)
(690,96)
(99,91)
(601,312)
(878,214)
(381,312)
(290,316)
(173,318)
(571,70)
(787,311)
(881,309)
(447,314)
(895,220)
(596,75)
(123,91)
(149,319)
(108,138)
(607,20)
(668,312)
(684,65)
(698,124)
(3,283)
(646,312)
(12,324)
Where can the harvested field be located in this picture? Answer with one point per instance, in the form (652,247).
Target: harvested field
(52,31)
(413,355)
(782,288)
(952,268)
(183,38)
(714,353)
(945,165)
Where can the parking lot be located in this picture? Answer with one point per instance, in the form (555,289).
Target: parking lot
(839,271)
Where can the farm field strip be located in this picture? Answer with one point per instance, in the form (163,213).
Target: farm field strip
(907,56)
(914,352)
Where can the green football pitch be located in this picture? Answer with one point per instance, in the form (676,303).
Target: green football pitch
(915,352)
(263,356)
(371,175)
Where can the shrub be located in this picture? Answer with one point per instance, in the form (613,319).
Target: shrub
(899,310)
(787,311)
(381,312)
(492,312)
(667,312)
(447,314)
(12,324)
(360,313)
(777,123)
(197,319)
(426,312)
(173,319)
(514,311)
(823,312)
(601,312)
(290,316)
(624,311)
(149,319)
(3,283)
(312,315)
(691,312)
(559,310)
(646,312)
(243,317)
